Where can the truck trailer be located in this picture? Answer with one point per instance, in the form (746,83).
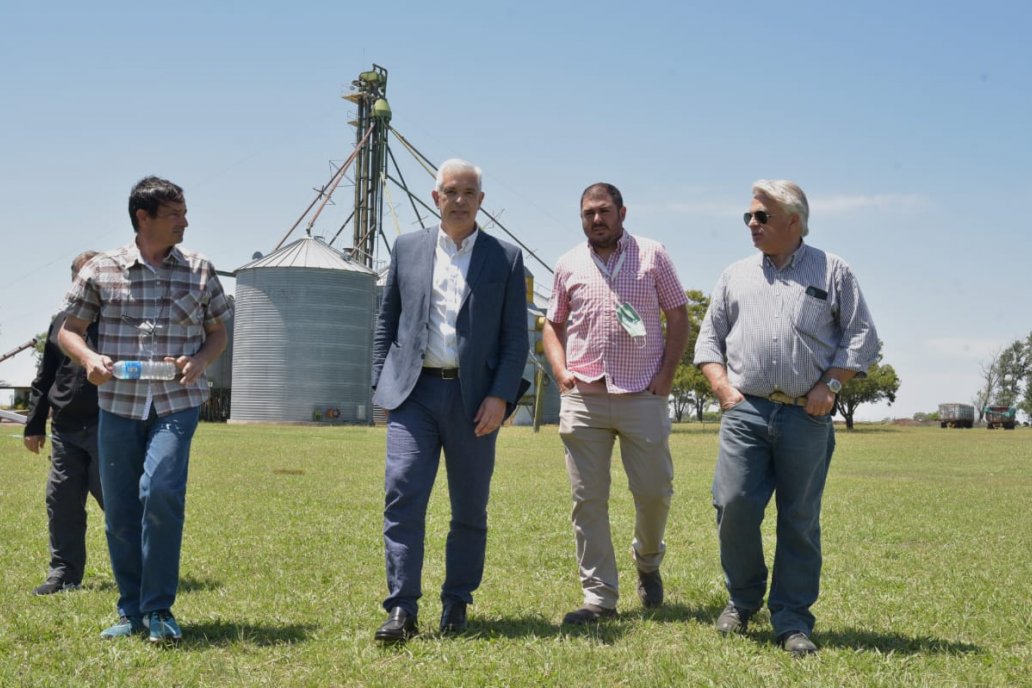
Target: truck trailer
(956,416)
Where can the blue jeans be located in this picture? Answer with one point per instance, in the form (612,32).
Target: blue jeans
(432,419)
(143,469)
(768,448)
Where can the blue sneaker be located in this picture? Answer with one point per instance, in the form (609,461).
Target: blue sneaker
(163,627)
(126,626)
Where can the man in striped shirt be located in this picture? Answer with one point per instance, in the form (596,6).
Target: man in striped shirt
(152,301)
(614,365)
(784,331)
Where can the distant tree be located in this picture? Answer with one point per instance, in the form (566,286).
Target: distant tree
(691,391)
(1014,372)
(990,384)
(880,383)
(41,343)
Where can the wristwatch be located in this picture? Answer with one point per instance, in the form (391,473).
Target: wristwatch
(834,385)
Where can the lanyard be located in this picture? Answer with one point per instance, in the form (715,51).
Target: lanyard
(625,313)
(609,275)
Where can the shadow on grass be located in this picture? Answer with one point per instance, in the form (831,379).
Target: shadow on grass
(222,633)
(606,632)
(892,642)
(191,584)
(99,585)
(853,639)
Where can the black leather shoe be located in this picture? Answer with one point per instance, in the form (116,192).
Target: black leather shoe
(588,614)
(453,617)
(733,620)
(650,588)
(797,643)
(398,628)
(53,585)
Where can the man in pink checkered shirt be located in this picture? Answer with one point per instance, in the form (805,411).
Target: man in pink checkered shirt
(615,368)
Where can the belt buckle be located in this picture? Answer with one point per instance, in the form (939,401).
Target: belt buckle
(449,373)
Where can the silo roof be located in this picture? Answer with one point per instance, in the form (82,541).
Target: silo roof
(307,252)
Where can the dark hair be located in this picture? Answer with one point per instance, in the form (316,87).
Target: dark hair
(149,194)
(614,193)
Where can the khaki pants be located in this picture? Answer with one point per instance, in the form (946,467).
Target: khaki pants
(590,420)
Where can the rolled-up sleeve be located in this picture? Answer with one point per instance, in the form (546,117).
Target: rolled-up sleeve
(711,346)
(858,347)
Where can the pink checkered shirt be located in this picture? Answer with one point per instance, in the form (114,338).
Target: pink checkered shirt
(147,314)
(597,345)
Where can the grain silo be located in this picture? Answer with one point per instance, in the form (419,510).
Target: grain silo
(303,337)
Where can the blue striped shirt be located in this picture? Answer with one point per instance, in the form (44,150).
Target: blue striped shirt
(780,330)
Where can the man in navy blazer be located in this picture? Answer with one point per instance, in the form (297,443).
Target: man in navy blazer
(449,350)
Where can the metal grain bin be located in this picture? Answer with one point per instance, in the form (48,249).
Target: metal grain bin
(302,342)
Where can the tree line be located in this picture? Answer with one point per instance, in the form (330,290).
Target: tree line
(1007,378)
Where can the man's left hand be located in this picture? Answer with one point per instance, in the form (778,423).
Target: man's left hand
(820,401)
(190,367)
(489,416)
(660,386)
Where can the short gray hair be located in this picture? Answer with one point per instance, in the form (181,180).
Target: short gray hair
(81,260)
(457,165)
(788,195)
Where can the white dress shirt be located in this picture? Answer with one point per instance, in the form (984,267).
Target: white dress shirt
(451,263)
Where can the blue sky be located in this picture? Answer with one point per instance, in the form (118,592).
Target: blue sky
(907,124)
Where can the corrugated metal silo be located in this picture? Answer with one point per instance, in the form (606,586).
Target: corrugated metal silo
(303,332)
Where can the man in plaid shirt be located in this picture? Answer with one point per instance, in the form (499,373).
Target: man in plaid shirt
(152,301)
(615,368)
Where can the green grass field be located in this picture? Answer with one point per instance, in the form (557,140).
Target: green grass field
(926,582)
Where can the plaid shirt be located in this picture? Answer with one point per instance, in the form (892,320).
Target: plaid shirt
(780,330)
(597,345)
(146,314)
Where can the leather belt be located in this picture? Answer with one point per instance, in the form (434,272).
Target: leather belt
(443,373)
(782,398)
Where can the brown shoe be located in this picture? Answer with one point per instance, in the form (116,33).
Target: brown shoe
(588,614)
(650,588)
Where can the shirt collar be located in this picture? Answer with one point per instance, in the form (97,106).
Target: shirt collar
(797,257)
(621,245)
(130,255)
(445,242)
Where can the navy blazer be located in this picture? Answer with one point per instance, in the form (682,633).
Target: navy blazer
(491,326)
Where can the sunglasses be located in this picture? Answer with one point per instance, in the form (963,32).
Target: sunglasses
(761,216)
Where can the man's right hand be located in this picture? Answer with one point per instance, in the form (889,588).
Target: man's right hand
(35,442)
(98,369)
(566,381)
(728,397)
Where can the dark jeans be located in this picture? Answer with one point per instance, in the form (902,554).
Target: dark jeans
(143,469)
(432,419)
(765,449)
(74,474)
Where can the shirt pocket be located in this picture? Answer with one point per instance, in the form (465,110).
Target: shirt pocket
(118,303)
(186,309)
(812,315)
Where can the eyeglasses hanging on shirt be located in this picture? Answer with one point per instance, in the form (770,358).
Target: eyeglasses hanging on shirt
(625,313)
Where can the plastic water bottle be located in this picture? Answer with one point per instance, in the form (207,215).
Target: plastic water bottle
(145,370)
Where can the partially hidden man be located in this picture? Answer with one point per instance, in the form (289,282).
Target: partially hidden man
(449,349)
(61,391)
(785,330)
